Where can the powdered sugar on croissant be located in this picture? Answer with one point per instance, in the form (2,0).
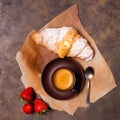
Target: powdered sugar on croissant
(64,41)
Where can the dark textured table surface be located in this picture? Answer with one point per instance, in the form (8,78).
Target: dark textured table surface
(18,17)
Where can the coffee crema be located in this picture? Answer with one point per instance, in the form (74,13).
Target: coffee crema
(64,79)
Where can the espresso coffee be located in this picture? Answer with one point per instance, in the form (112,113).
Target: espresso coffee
(64,79)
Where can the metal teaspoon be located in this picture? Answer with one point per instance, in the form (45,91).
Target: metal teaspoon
(89,73)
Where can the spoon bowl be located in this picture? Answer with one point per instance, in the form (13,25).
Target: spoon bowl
(89,73)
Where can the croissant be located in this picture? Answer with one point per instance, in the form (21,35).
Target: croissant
(64,41)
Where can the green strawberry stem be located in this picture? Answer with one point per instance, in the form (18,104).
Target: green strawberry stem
(23,100)
(43,112)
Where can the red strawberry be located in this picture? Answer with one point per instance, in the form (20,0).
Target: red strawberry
(28,94)
(40,106)
(28,108)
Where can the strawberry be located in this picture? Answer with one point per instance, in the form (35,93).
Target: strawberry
(28,108)
(28,94)
(40,106)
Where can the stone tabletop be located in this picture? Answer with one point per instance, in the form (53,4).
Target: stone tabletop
(18,17)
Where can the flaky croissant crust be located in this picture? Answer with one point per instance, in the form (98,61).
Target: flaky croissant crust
(64,41)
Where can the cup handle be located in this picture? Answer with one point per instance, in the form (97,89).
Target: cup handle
(74,90)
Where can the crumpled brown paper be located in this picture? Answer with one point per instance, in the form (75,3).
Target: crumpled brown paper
(33,58)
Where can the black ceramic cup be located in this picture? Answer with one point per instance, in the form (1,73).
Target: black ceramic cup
(71,66)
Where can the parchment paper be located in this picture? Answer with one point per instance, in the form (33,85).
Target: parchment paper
(33,58)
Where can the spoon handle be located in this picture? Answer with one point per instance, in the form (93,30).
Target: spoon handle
(88,92)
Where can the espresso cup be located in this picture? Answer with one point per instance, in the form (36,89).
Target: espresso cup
(63,78)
